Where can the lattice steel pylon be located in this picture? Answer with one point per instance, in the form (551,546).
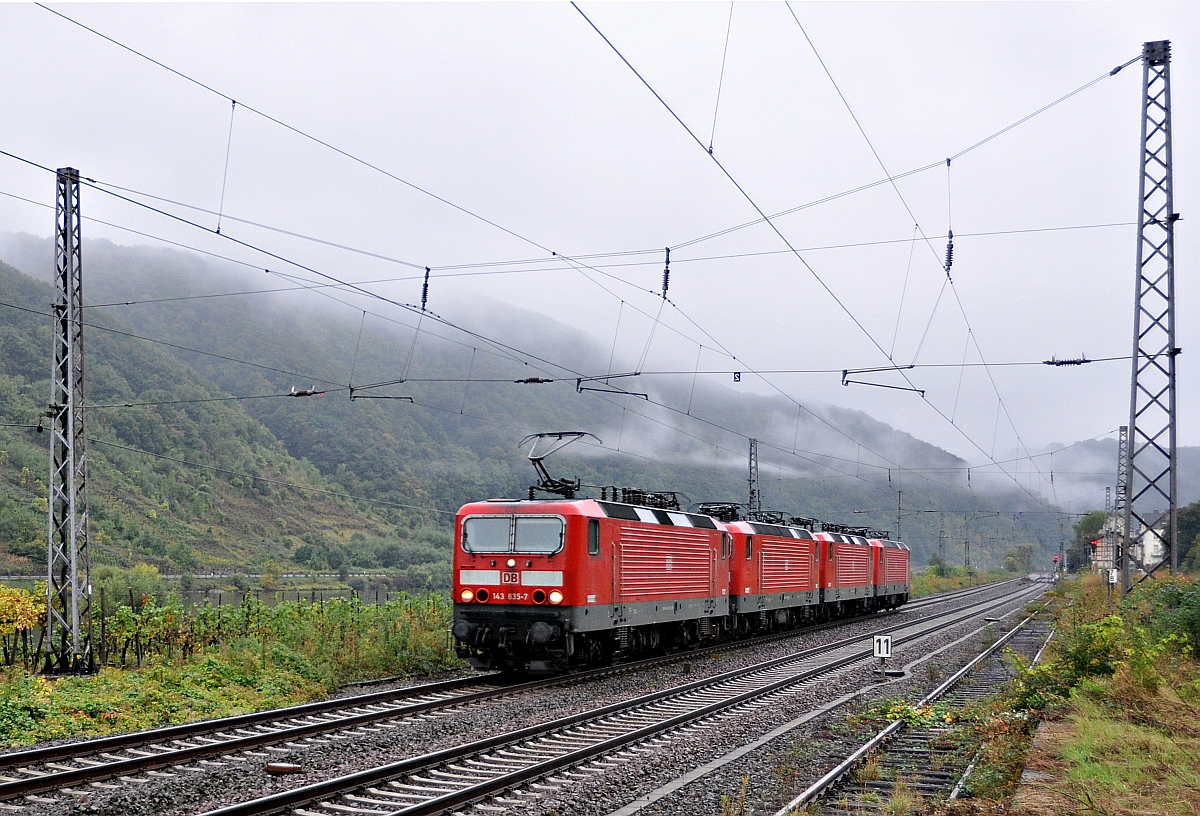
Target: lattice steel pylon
(68,590)
(755,504)
(1120,559)
(1151,456)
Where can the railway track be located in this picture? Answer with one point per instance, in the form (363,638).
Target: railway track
(248,737)
(927,762)
(73,767)
(467,774)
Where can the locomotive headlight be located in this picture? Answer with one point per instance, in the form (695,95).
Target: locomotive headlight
(467,596)
(556,597)
(512,562)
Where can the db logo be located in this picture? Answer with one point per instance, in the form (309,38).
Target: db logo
(510,577)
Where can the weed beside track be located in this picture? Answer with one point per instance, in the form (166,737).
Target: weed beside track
(1112,713)
(210,662)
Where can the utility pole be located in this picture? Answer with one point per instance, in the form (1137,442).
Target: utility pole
(68,588)
(1151,453)
(967,544)
(1062,545)
(755,493)
(899,514)
(1121,555)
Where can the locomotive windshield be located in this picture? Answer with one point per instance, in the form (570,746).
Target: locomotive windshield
(542,535)
(487,534)
(538,535)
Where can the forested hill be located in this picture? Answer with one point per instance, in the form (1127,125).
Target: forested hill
(457,440)
(231,509)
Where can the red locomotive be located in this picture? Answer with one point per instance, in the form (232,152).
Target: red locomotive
(541,586)
(544,586)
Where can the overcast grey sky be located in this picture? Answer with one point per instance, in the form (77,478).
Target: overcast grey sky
(522,114)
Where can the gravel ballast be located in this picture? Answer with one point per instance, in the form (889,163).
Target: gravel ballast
(205,786)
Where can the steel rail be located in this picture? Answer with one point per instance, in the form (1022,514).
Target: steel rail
(918,603)
(174,745)
(333,788)
(842,768)
(137,739)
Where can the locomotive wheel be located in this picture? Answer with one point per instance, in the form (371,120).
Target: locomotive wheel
(595,652)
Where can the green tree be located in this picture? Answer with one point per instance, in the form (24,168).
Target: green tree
(1020,558)
(1188,519)
(124,587)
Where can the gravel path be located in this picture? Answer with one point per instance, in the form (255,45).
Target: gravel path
(204,786)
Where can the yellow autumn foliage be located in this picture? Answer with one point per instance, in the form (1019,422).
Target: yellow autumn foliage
(20,609)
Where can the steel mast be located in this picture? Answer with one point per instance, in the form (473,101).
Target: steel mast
(68,588)
(1120,554)
(755,503)
(1151,456)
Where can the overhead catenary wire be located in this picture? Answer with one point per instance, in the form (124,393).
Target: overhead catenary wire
(225,174)
(304,134)
(156,403)
(165,66)
(260,225)
(569,262)
(775,387)
(352,287)
(912,248)
(299,131)
(721,167)
(376,168)
(186,348)
(520,265)
(949,249)
(328,284)
(336,389)
(721,79)
(891,178)
(776,229)
(180,347)
(971,337)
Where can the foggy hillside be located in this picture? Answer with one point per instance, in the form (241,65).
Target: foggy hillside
(1090,466)
(457,440)
(232,507)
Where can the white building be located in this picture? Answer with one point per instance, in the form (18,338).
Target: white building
(1150,547)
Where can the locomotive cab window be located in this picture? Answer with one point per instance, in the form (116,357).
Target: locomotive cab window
(749,547)
(726,546)
(540,535)
(830,550)
(486,534)
(593,536)
(534,534)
